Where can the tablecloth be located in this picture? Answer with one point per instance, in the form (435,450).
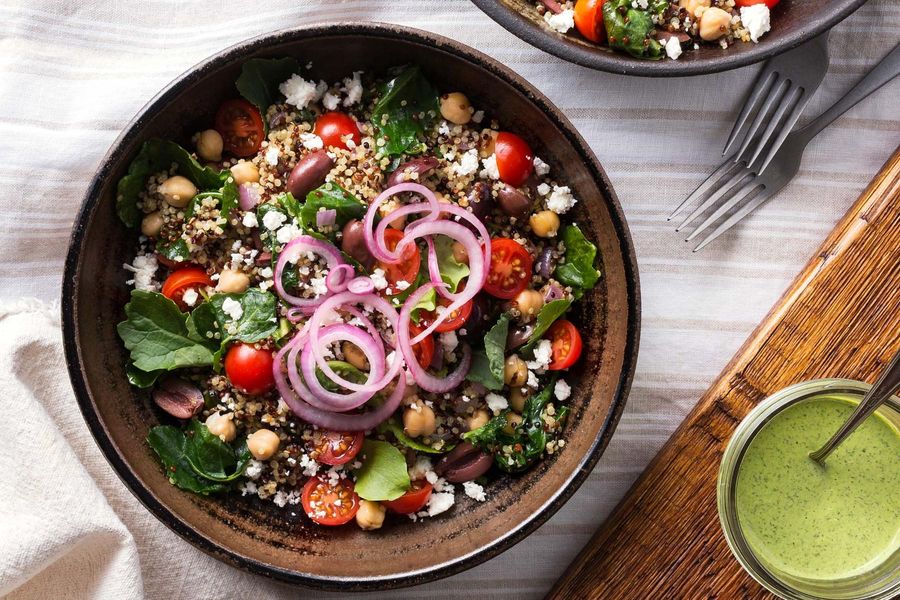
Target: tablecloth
(75,72)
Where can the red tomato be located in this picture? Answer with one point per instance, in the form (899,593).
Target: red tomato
(240,126)
(181,281)
(424,350)
(250,368)
(456,319)
(515,160)
(510,270)
(413,500)
(335,447)
(566,343)
(333,126)
(589,20)
(408,267)
(328,504)
(769,3)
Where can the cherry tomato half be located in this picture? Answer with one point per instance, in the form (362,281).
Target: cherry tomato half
(510,270)
(328,504)
(589,20)
(335,447)
(515,160)
(333,126)
(769,3)
(249,368)
(241,127)
(424,350)
(183,280)
(413,500)
(566,344)
(453,322)
(408,267)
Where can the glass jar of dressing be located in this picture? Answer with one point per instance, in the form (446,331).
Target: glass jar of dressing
(806,531)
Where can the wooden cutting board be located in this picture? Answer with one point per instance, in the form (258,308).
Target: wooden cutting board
(840,318)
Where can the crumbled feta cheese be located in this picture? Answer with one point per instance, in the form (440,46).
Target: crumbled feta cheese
(402,285)
(254,469)
(561,22)
(331,101)
(310,466)
(561,199)
(439,502)
(249,219)
(280,498)
(378,279)
(474,491)
(353,88)
(756,19)
(673,48)
(190,297)
(318,286)
(540,167)
(490,167)
(311,141)
(144,269)
(562,390)
(478,116)
(266,272)
(496,402)
(287,233)
(543,189)
(532,380)
(543,354)
(449,341)
(444,129)
(249,488)
(468,163)
(431,477)
(272,154)
(232,308)
(273,219)
(420,468)
(300,92)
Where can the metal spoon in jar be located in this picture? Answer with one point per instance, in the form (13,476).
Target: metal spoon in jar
(878,395)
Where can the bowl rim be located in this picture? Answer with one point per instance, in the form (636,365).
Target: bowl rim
(89,411)
(560,46)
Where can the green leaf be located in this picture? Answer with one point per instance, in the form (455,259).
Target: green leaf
(488,435)
(176,251)
(169,444)
(211,458)
(345,370)
(549,313)
(257,321)
(396,429)
(330,196)
(630,29)
(452,271)
(141,379)
(157,335)
(487,367)
(229,200)
(260,78)
(407,103)
(383,474)
(427,303)
(578,270)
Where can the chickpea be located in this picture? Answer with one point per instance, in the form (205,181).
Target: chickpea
(456,108)
(419,420)
(478,419)
(370,515)
(515,372)
(517,398)
(263,444)
(178,191)
(152,224)
(529,303)
(386,209)
(513,420)
(355,356)
(544,224)
(460,254)
(209,145)
(714,23)
(691,6)
(245,172)
(222,426)
(488,142)
(232,282)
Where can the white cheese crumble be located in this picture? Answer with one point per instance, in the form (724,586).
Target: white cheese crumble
(478,116)
(561,199)
(250,220)
(287,233)
(756,19)
(562,390)
(402,285)
(353,88)
(190,297)
(318,286)
(540,167)
(543,354)
(562,22)
(378,279)
(273,219)
(474,491)
(266,272)
(543,189)
(673,48)
(300,92)
(144,269)
(532,380)
(310,466)
(272,154)
(449,341)
(468,163)
(331,101)
(311,141)
(439,502)
(490,167)
(232,308)
(254,469)
(496,402)
(420,468)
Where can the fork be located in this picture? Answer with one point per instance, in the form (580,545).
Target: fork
(743,187)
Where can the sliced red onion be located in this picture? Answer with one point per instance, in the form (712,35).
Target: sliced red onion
(553,292)
(375,238)
(553,6)
(291,253)
(361,285)
(337,279)
(326,218)
(248,196)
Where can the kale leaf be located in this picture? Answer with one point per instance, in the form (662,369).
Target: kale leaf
(406,104)
(396,429)
(578,271)
(170,443)
(383,474)
(487,365)
(260,78)
(630,29)
(215,327)
(329,196)
(211,458)
(549,313)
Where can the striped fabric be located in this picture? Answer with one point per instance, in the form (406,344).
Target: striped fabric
(75,71)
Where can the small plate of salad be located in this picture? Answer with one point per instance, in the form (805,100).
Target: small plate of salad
(356,300)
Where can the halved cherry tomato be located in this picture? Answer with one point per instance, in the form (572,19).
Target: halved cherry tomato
(453,322)
(424,350)
(515,160)
(183,280)
(249,368)
(328,504)
(413,500)
(335,447)
(240,126)
(589,20)
(566,344)
(408,267)
(769,3)
(333,126)
(510,270)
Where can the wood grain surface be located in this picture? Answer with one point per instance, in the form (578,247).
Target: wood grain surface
(840,318)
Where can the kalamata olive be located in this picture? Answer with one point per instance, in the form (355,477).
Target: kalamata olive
(513,202)
(518,336)
(545,263)
(480,200)
(309,173)
(179,398)
(464,463)
(353,242)
(420,166)
(478,321)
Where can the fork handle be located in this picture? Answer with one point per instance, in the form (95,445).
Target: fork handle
(887,69)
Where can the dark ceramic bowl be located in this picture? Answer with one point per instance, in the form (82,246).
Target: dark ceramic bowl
(258,536)
(793,22)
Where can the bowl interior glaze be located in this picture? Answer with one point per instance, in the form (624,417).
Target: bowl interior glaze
(256,535)
(793,22)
